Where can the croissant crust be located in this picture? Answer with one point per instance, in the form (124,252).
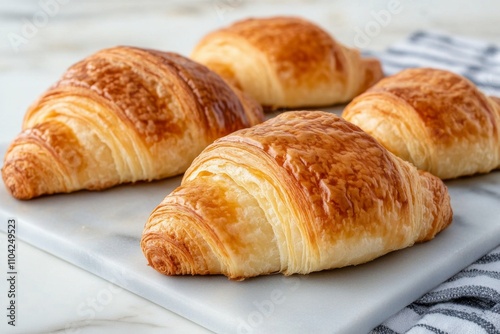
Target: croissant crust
(287,62)
(122,115)
(437,120)
(302,192)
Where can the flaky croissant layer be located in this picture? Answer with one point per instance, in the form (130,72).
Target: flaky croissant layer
(302,192)
(437,120)
(122,115)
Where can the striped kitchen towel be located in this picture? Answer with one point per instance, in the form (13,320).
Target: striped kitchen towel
(478,61)
(469,302)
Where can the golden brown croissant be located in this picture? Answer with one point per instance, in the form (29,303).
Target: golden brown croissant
(122,115)
(433,118)
(301,192)
(287,62)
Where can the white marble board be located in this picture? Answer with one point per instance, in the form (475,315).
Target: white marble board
(100,232)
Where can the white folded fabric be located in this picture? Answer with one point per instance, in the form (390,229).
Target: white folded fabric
(479,61)
(469,302)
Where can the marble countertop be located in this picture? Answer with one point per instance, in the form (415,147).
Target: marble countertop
(40,39)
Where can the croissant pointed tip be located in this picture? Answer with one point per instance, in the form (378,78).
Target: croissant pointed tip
(165,257)
(16,181)
(26,174)
(159,264)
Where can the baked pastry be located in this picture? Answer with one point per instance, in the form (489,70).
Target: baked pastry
(437,120)
(302,192)
(122,115)
(287,62)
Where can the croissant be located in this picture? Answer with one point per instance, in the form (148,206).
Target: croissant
(122,115)
(302,192)
(437,120)
(287,62)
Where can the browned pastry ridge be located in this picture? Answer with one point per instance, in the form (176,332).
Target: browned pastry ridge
(437,120)
(287,62)
(122,115)
(301,192)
